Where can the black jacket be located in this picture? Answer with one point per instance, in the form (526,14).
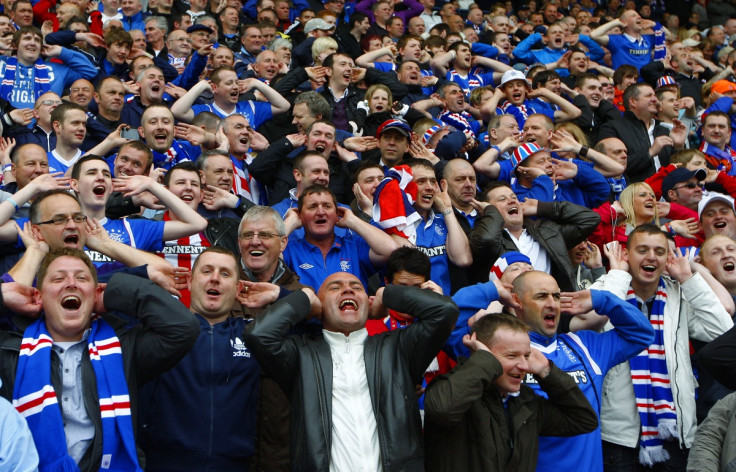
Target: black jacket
(394,362)
(166,332)
(274,168)
(590,120)
(466,424)
(559,226)
(632,131)
(298,75)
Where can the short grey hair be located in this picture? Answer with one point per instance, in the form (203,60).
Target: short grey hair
(316,103)
(258,213)
(278,43)
(161,23)
(204,157)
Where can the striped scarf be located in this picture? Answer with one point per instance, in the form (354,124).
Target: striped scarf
(40,78)
(660,51)
(652,386)
(174,155)
(35,399)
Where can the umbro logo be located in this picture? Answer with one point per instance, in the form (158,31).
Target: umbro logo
(306,266)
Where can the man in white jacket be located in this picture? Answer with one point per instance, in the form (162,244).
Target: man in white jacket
(680,306)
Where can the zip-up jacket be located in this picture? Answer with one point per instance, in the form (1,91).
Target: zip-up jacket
(691,310)
(201,415)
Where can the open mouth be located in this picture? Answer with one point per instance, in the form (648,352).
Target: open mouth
(516,96)
(729,266)
(257,253)
(648,268)
(427,198)
(320,148)
(213,293)
(160,137)
(348,304)
(71,239)
(187,197)
(155,88)
(379,108)
(649,205)
(71,302)
(234,94)
(99,190)
(514,210)
(320,221)
(550,318)
(720,225)
(347,76)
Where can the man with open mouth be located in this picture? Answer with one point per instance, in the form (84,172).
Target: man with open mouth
(679,307)
(171,439)
(364,380)
(362,251)
(559,226)
(74,373)
(93,183)
(484,395)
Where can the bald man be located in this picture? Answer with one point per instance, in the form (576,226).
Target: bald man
(327,376)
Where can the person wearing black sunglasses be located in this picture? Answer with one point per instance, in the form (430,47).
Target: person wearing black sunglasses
(684,187)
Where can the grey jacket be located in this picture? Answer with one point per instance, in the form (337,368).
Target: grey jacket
(714,448)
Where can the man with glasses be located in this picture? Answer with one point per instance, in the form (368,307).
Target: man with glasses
(179,45)
(684,187)
(42,133)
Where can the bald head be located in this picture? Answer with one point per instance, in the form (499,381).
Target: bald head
(344,303)
(460,181)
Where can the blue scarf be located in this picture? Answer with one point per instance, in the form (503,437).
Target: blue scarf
(35,399)
(40,78)
(171,157)
(652,386)
(660,51)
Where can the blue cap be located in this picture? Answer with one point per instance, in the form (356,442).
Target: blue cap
(399,125)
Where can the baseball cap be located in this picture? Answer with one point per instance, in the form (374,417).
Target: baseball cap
(399,125)
(691,43)
(723,86)
(511,75)
(317,24)
(524,151)
(680,175)
(503,262)
(194,28)
(712,197)
(427,136)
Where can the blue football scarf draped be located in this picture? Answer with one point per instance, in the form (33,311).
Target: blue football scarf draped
(660,50)
(170,158)
(35,399)
(652,386)
(40,78)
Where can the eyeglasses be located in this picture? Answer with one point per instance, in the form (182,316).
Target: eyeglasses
(62,219)
(262,235)
(50,103)
(690,185)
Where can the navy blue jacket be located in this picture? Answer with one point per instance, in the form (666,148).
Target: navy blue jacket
(201,414)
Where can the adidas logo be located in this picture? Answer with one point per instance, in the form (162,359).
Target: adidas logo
(239,349)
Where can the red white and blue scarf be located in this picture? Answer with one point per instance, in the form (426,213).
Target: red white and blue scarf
(40,78)
(35,399)
(393,200)
(652,386)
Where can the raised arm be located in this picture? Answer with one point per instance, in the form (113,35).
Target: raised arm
(190,222)
(278,103)
(182,108)
(458,247)
(600,34)
(381,244)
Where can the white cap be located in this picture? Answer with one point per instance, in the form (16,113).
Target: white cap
(511,75)
(714,197)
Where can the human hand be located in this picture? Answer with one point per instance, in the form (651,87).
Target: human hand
(216,198)
(505,296)
(471,342)
(258,142)
(30,241)
(170,278)
(258,294)
(360,143)
(297,139)
(365,203)
(678,266)
(617,259)
(686,228)
(576,303)
(593,258)
(21,299)
(564,169)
